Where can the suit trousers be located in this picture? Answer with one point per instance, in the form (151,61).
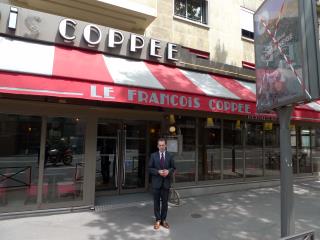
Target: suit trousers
(163,195)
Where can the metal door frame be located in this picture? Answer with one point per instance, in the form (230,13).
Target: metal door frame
(121,138)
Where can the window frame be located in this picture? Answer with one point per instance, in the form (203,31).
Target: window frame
(245,32)
(204,13)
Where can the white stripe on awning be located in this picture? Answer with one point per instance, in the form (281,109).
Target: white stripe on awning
(314,106)
(19,56)
(248,85)
(131,72)
(40,91)
(208,85)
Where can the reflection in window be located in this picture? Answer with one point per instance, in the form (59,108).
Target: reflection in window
(64,159)
(272,149)
(135,155)
(19,159)
(302,158)
(315,146)
(209,149)
(254,150)
(185,133)
(232,149)
(195,10)
(107,151)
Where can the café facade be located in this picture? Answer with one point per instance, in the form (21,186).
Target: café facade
(82,107)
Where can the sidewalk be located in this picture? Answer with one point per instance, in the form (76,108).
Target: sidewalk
(247,215)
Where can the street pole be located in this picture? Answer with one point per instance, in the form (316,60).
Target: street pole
(286,173)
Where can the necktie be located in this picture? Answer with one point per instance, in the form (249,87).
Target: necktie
(162,161)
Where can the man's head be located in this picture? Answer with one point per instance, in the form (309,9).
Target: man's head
(162,144)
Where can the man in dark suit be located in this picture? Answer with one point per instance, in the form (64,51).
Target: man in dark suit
(161,168)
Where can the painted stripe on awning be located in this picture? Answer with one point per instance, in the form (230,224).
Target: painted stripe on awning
(305,106)
(28,90)
(173,79)
(20,56)
(131,72)
(250,86)
(240,90)
(73,63)
(314,106)
(208,85)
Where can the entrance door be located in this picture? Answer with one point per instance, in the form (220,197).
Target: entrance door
(121,156)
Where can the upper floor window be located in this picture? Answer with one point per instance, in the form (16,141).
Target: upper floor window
(246,19)
(194,10)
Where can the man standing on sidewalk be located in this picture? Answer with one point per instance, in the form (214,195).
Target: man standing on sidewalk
(161,167)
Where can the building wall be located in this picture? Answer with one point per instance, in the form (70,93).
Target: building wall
(129,15)
(169,28)
(221,37)
(226,44)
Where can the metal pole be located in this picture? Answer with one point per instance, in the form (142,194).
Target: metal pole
(286,173)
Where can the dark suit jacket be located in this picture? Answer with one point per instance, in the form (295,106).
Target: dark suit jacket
(154,166)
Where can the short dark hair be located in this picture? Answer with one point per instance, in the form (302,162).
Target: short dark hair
(162,140)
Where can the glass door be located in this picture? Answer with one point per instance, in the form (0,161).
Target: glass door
(133,156)
(107,161)
(121,156)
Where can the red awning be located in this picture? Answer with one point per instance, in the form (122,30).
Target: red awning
(70,73)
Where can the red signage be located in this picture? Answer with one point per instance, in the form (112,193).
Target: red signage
(67,88)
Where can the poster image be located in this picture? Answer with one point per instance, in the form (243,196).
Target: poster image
(278,51)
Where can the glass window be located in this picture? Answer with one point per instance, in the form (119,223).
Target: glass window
(302,157)
(232,149)
(254,146)
(294,137)
(246,20)
(19,160)
(209,165)
(195,10)
(185,157)
(135,156)
(64,159)
(107,152)
(272,149)
(315,144)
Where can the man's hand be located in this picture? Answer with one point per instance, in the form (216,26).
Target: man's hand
(163,173)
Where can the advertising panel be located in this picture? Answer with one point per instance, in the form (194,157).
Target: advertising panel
(286,51)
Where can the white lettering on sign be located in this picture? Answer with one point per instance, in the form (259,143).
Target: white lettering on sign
(171,51)
(13,18)
(146,97)
(228,106)
(92,35)
(115,38)
(106,92)
(64,25)
(133,42)
(165,99)
(154,48)
(88,32)
(131,94)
